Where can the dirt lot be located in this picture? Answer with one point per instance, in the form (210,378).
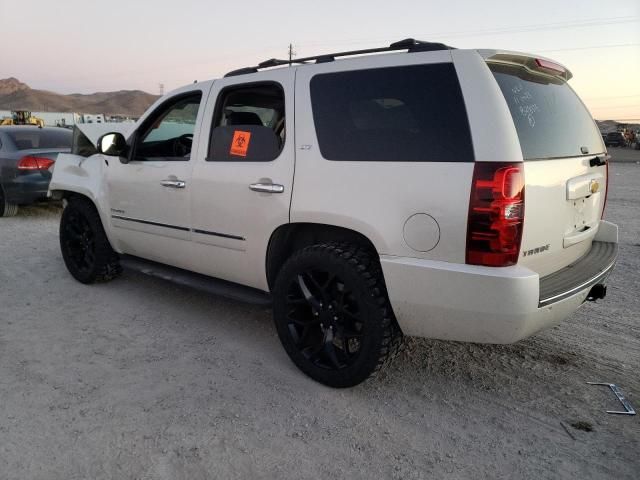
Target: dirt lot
(624,154)
(143,379)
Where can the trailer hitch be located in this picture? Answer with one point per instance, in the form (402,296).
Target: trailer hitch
(597,292)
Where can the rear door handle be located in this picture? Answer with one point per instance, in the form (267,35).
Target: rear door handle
(173,183)
(267,187)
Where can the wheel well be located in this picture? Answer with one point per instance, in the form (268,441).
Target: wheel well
(292,237)
(67,195)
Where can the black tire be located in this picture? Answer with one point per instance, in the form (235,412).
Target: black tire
(7,209)
(333,315)
(85,248)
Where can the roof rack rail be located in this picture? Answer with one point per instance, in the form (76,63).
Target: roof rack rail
(409,44)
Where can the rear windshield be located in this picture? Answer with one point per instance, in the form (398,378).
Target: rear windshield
(550,119)
(403,114)
(39,138)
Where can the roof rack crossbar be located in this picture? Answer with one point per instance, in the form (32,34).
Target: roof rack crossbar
(409,44)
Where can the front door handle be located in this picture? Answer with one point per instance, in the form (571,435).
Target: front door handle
(173,183)
(267,187)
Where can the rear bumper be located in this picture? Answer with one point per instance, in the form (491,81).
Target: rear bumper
(490,305)
(591,269)
(27,188)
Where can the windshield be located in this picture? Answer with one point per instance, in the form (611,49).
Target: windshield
(550,119)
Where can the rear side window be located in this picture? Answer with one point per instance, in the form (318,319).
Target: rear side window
(33,139)
(399,114)
(550,119)
(248,124)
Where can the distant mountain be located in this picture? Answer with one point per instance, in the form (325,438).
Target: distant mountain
(15,95)
(11,85)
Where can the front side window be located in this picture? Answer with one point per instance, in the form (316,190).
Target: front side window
(168,134)
(248,124)
(398,114)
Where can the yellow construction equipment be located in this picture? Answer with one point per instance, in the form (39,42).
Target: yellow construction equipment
(22,117)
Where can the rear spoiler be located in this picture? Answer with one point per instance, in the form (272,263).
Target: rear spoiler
(534,63)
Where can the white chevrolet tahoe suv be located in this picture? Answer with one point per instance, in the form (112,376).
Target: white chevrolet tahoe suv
(415,189)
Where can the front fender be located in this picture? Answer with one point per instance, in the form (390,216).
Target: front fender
(84,176)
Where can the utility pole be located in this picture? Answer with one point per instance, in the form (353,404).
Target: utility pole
(291,53)
(161,86)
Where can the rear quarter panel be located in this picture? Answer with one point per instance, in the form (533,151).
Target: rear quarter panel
(377,198)
(493,133)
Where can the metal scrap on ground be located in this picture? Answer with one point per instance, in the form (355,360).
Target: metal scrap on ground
(628,409)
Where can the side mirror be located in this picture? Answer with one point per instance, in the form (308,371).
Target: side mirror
(113,144)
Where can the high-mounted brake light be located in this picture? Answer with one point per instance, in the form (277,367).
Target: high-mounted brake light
(34,163)
(496,214)
(546,64)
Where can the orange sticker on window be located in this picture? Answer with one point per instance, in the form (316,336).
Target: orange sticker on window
(240,143)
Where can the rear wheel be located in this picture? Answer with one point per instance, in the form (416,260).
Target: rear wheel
(86,250)
(7,209)
(332,314)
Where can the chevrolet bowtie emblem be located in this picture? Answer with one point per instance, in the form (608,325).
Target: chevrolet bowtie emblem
(594,186)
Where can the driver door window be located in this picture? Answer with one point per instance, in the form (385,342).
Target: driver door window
(168,135)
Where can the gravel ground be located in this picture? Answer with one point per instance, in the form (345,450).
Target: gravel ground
(143,379)
(624,154)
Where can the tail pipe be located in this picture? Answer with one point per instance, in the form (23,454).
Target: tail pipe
(597,292)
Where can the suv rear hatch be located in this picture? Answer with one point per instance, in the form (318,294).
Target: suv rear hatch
(565,169)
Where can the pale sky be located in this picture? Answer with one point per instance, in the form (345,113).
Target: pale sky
(80,46)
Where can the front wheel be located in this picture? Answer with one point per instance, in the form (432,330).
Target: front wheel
(332,314)
(86,250)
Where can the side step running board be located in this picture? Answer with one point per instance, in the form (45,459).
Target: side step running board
(197,281)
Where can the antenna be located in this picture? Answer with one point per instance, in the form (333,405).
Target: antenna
(292,53)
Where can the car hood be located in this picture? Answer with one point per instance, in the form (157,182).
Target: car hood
(93,131)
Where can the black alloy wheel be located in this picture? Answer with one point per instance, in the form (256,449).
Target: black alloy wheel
(324,319)
(79,242)
(332,314)
(85,248)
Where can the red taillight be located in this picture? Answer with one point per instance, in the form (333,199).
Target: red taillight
(34,163)
(606,192)
(496,214)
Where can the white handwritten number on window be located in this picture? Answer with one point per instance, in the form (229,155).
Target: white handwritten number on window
(526,106)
